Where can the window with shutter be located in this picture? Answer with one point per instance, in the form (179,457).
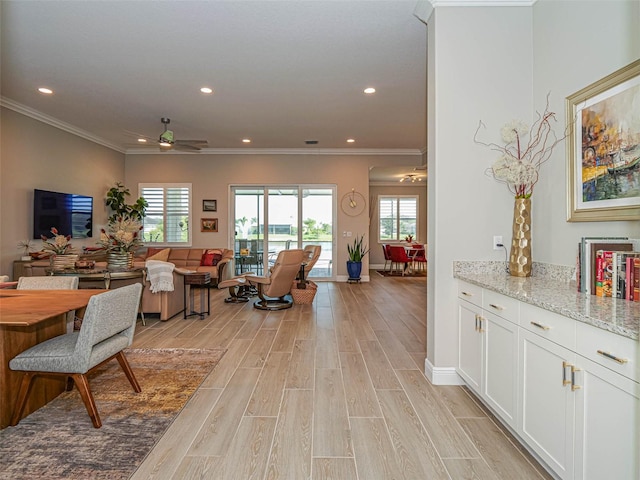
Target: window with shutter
(168,216)
(398,217)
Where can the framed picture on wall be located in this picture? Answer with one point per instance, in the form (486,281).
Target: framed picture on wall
(209,205)
(604,149)
(208,224)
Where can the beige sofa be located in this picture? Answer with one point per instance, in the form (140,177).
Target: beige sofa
(166,304)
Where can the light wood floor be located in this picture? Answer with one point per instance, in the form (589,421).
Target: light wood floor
(332,390)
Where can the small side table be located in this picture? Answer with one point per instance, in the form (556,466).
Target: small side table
(201,280)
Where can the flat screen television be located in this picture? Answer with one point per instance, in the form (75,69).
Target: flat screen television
(70,214)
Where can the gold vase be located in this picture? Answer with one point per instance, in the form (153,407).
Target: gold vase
(520,256)
(119,260)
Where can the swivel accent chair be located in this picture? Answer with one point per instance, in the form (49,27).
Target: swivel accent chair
(272,289)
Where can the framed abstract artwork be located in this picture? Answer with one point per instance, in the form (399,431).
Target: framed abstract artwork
(603,160)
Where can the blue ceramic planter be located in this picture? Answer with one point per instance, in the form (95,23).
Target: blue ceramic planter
(354,269)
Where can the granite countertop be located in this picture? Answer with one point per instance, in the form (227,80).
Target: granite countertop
(553,288)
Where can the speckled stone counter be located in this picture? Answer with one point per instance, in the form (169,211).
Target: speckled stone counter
(553,288)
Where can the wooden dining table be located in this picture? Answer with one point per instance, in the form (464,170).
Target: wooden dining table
(29,317)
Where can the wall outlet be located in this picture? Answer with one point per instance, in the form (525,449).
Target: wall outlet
(497,240)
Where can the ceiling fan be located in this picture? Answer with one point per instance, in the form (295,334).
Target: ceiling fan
(167,141)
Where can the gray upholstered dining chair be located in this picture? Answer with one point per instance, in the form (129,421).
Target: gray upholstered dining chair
(51,282)
(108,328)
(279,282)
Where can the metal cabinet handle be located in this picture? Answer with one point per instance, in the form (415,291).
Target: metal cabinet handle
(611,356)
(467,294)
(476,329)
(565,365)
(480,329)
(574,387)
(497,307)
(539,325)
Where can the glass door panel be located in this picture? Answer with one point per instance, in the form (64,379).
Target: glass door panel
(269,219)
(317,227)
(249,230)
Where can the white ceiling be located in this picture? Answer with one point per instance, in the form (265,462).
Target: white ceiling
(282,71)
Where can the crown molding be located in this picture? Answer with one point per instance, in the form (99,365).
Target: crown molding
(482,3)
(54,122)
(285,151)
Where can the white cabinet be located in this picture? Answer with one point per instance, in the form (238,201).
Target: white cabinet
(607,405)
(547,401)
(569,390)
(500,376)
(488,350)
(607,424)
(470,345)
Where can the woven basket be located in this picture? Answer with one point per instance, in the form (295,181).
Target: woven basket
(304,295)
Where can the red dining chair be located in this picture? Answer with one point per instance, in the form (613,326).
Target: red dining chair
(420,256)
(398,255)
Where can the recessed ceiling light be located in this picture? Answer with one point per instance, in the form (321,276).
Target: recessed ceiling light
(246,140)
(142,140)
(206,90)
(350,140)
(369,90)
(45,90)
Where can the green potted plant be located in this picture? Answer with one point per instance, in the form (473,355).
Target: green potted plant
(122,235)
(117,201)
(356,251)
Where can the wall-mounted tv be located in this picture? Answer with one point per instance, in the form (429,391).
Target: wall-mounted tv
(70,214)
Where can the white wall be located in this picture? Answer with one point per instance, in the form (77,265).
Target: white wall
(497,64)
(36,155)
(570,54)
(480,69)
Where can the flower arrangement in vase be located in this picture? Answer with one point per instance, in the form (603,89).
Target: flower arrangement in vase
(60,247)
(524,151)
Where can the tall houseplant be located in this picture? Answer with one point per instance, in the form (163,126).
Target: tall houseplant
(356,251)
(121,237)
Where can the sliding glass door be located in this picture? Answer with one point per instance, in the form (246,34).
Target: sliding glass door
(271,218)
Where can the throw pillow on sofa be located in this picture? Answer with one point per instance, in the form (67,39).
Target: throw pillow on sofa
(161,254)
(210,258)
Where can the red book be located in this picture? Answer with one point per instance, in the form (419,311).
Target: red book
(599,273)
(636,279)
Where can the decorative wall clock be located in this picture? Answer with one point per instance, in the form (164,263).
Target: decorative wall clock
(353,203)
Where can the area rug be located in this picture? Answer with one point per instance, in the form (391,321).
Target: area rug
(58,441)
(387,273)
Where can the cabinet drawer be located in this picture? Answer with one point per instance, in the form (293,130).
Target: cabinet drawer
(557,328)
(501,305)
(613,351)
(471,293)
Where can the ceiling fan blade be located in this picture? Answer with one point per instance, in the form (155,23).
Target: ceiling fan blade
(191,142)
(186,147)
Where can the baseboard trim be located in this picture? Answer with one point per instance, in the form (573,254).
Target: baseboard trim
(441,375)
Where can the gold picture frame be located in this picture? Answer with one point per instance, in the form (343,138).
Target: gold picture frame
(208,224)
(603,149)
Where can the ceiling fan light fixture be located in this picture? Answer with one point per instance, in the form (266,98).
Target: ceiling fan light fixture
(411,178)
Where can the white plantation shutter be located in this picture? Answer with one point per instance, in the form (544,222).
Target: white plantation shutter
(168,216)
(398,217)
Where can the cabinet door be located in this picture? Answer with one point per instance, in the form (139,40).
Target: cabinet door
(469,344)
(547,402)
(607,424)
(499,386)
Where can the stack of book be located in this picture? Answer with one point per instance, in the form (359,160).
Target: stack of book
(609,267)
